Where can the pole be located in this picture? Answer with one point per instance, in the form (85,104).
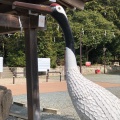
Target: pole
(104,49)
(80,53)
(104,62)
(32,73)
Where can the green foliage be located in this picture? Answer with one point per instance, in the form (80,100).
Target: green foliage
(16,59)
(15,50)
(92,28)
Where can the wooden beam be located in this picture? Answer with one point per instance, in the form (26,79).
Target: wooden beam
(33,7)
(74,3)
(12,21)
(64,4)
(4,30)
(6,2)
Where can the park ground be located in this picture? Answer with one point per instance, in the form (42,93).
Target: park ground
(53,94)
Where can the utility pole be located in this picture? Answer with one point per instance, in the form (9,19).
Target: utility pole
(104,49)
(81,35)
(80,53)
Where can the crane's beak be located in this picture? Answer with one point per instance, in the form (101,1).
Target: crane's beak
(33,7)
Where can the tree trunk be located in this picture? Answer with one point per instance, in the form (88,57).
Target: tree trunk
(5,102)
(87,53)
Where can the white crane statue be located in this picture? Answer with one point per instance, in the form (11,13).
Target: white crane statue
(91,101)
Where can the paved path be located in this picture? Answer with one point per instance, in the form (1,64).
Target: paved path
(19,87)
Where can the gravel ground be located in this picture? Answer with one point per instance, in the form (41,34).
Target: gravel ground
(110,78)
(57,100)
(61,100)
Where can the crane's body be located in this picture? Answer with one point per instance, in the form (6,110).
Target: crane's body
(91,101)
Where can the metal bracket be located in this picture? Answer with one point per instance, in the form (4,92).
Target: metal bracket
(21,27)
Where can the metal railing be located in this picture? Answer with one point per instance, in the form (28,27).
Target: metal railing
(48,72)
(15,75)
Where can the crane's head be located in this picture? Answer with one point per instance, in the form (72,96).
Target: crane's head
(57,9)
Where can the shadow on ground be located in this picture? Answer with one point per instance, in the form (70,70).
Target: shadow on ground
(18,110)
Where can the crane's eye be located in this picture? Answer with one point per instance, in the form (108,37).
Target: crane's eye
(61,10)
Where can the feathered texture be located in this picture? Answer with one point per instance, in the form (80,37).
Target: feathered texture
(91,101)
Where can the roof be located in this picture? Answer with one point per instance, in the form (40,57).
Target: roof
(7,21)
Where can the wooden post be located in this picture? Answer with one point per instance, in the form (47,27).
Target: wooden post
(32,73)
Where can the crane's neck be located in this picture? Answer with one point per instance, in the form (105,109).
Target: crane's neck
(64,24)
(69,40)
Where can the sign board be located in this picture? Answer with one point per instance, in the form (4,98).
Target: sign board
(88,64)
(116,63)
(52,0)
(43,64)
(1,64)
(41,21)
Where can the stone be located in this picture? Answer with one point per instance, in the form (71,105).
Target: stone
(6,100)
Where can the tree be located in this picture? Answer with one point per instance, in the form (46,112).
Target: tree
(110,10)
(97,30)
(15,50)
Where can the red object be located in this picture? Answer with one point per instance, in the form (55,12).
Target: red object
(54,4)
(97,71)
(88,64)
